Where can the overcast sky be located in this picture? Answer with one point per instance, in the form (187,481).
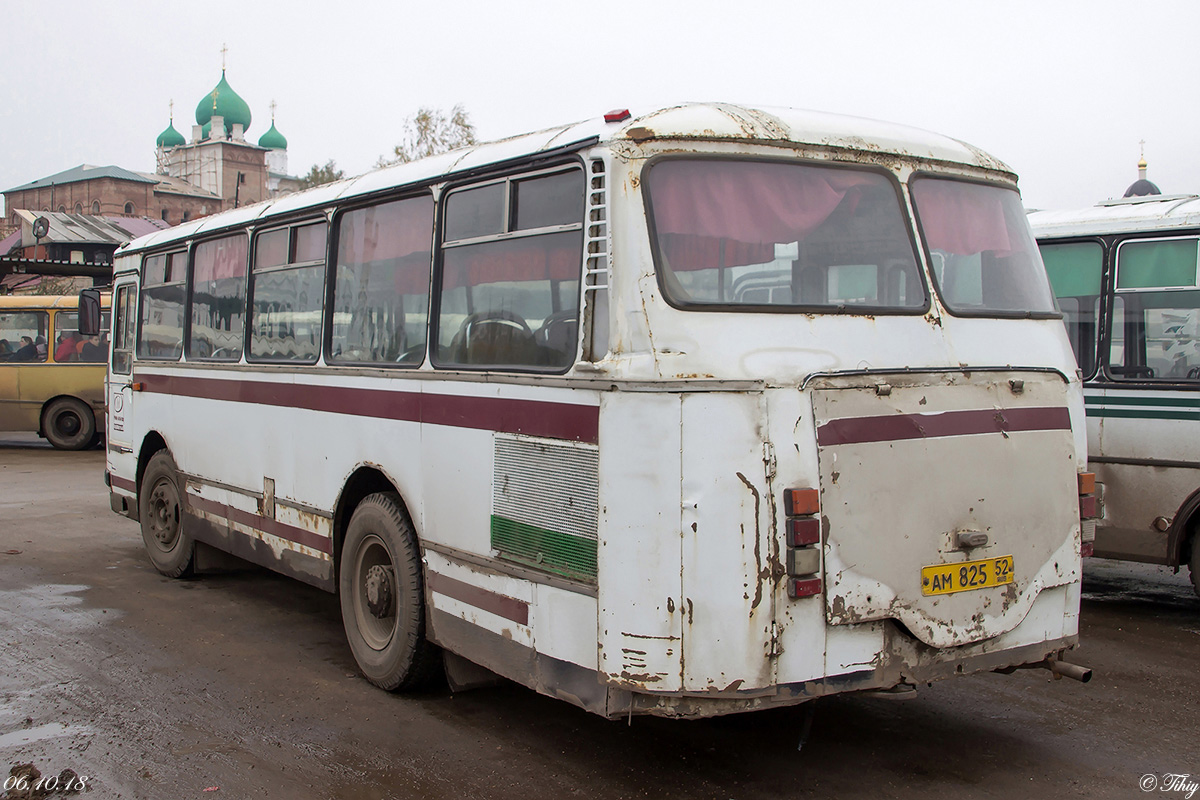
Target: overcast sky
(1061,91)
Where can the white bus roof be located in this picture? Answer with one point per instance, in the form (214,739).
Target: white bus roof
(690,121)
(1132,214)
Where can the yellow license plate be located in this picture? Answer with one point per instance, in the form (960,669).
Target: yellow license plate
(966,575)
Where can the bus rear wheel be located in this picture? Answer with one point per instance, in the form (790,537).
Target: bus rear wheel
(69,424)
(382,596)
(161,513)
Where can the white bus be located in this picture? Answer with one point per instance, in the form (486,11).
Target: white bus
(1125,273)
(693,412)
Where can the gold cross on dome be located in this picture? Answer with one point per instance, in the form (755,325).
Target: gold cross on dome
(224,51)
(272,111)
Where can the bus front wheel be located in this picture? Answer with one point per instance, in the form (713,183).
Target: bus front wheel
(69,424)
(382,596)
(161,513)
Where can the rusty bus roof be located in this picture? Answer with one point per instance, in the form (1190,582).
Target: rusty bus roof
(714,122)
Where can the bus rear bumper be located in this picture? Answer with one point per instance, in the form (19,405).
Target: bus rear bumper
(883,677)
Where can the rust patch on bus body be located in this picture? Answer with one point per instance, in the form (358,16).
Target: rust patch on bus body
(760,573)
(640,134)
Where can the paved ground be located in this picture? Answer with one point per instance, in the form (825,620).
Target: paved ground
(153,688)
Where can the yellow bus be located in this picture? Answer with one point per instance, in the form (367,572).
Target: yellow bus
(51,376)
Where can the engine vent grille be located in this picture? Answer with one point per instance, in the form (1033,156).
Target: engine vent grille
(544,504)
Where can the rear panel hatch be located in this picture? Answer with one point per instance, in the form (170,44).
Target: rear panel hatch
(908,462)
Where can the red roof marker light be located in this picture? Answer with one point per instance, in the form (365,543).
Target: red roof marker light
(617,115)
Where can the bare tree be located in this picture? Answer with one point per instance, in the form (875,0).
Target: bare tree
(431,131)
(318,175)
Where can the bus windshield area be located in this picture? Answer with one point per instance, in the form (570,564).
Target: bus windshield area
(771,236)
(983,256)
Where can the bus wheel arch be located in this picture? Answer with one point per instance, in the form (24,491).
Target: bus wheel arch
(381,588)
(150,445)
(68,423)
(363,481)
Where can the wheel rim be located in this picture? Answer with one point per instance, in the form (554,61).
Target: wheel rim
(68,424)
(375,592)
(163,508)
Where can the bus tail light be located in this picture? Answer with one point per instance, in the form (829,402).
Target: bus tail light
(798,502)
(1089,511)
(803,535)
(802,532)
(806,587)
(617,115)
(1089,507)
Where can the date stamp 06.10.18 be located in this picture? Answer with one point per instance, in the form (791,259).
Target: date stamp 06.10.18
(25,781)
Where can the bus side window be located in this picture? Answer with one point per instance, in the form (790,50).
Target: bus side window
(122,351)
(1075,270)
(289,292)
(512,302)
(160,332)
(218,289)
(1156,311)
(71,345)
(381,283)
(23,336)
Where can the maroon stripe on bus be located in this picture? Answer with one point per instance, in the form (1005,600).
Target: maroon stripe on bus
(898,427)
(505,415)
(264,524)
(498,604)
(122,483)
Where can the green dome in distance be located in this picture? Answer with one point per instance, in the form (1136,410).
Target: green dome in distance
(170,137)
(205,130)
(273,139)
(223,101)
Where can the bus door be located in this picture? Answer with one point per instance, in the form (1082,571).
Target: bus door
(120,368)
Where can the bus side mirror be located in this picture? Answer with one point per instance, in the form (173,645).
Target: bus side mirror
(89,312)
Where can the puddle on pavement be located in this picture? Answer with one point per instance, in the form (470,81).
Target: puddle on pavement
(51,730)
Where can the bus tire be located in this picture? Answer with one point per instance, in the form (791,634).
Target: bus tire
(381,588)
(69,424)
(160,511)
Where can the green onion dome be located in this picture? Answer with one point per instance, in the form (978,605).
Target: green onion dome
(170,137)
(205,130)
(223,101)
(273,139)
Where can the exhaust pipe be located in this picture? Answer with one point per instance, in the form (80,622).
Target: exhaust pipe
(1062,669)
(1059,668)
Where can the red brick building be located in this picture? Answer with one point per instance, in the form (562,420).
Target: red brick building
(113,191)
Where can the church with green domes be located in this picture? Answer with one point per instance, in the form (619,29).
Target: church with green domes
(219,158)
(217,169)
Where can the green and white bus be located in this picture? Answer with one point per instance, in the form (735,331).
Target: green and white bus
(1125,274)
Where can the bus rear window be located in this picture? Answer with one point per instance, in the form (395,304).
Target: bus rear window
(983,256)
(772,236)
